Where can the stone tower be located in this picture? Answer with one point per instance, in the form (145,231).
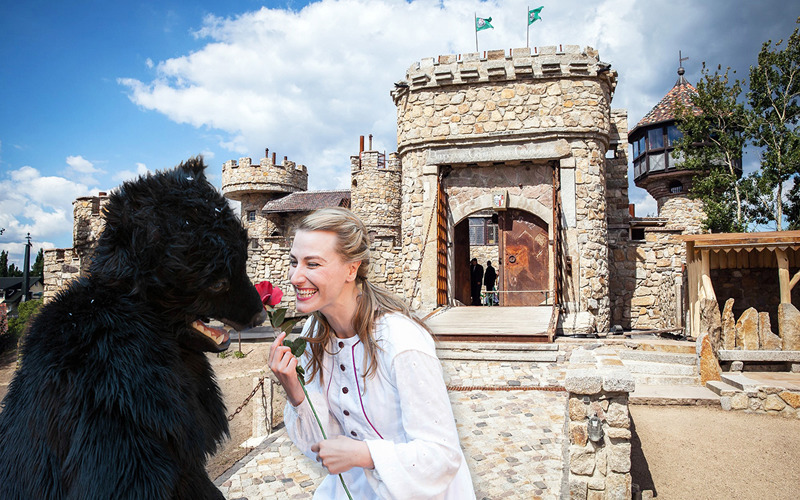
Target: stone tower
(375,192)
(255,185)
(656,167)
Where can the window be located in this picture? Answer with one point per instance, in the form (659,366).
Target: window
(482,231)
(655,138)
(251,216)
(675,187)
(673,135)
(637,233)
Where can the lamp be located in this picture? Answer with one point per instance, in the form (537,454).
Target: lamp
(595,429)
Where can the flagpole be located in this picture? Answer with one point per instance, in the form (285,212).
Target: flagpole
(528,27)
(475,25)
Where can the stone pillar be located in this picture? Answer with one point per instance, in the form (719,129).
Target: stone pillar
(598,385)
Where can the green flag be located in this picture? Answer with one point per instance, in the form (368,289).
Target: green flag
(483,24)
(533,15)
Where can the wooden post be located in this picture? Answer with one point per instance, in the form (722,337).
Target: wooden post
(783,276)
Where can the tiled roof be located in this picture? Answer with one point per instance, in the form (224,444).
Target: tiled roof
(306,201)
(665,109)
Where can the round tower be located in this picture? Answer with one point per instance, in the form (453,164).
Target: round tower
(255,185)
(656,166)
(375,191)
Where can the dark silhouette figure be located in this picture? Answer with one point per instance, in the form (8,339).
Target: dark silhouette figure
(475,281)
(115,397)
(489,279)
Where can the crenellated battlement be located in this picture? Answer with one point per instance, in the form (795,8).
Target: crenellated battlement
(244,178)
(497,65)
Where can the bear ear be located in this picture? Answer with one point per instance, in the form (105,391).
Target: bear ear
(194,167)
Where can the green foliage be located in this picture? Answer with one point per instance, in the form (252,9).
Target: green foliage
(3,264)
(238,354)
(38,265)
(712,143)
(775,110)
(298,347)
(25,312)
(223,354)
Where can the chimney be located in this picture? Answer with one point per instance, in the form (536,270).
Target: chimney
(370,142)
(273,158)
(361,145)
(632,210)
(266,153)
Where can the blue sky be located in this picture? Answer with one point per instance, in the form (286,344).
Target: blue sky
(96,92)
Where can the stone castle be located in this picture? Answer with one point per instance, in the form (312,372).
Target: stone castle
(524,145)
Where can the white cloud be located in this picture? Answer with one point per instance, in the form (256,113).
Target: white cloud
(83,169)
(36,204)
(124,175)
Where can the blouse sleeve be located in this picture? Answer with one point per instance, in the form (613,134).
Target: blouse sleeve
(302,426)
(424,466)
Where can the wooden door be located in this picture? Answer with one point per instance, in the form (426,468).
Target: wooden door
(461,262)
(525,250)
(441,246)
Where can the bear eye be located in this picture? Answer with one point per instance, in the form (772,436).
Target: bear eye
(219,286)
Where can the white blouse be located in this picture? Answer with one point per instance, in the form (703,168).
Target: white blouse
(403,413)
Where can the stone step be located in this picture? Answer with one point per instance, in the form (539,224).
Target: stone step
(654,394)
(659,357)
(532,356)
(721,388)
(739,382)
(667,380)
(496,347)
(656,368)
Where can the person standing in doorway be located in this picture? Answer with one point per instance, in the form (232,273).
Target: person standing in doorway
(489,279)
(475,281)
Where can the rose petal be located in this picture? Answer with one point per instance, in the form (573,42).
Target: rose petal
(275,298)
(265,290)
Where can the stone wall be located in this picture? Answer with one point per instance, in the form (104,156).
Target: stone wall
(739,284)
(87,213)
(682,212)
(61,265)
(598,385)
(375,193)
(245,177)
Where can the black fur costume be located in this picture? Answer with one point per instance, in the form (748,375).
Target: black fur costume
(115,397)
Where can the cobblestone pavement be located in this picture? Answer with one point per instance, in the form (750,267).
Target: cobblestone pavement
(512,437)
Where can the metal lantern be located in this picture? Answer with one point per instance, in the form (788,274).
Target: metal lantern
(595,429)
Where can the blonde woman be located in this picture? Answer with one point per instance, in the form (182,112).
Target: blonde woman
(372,375)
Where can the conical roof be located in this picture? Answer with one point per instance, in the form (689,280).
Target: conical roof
(665,109)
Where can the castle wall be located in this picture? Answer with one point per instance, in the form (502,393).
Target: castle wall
(61,265)
(683,212)
(375,192)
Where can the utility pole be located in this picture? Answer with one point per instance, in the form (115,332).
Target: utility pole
(26,273)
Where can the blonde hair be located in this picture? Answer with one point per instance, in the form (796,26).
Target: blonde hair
(352,244)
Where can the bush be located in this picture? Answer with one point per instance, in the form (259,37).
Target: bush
(6,339)
(25,311)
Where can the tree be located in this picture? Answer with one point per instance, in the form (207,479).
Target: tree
(3,264)
(38,265)
(712,142)
(13,271)
(773,97)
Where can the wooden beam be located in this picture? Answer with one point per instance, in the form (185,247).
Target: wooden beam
(783,276)
(794,281)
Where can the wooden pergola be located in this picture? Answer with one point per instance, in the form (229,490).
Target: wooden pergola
(704,252)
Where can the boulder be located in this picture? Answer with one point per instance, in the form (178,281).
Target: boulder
(747,330)
(789,326)
(709,365)
(711,322)
(766,339)
(728,326)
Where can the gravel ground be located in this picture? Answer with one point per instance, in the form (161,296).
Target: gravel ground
(686,452)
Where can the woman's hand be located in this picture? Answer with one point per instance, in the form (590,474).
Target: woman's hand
(284,365)
(341,454)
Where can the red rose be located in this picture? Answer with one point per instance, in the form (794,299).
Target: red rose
(270,296)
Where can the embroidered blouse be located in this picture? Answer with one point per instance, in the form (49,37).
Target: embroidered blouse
(403,413)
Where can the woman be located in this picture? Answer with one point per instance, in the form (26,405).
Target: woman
(372,376)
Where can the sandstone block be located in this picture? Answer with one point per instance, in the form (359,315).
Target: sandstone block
(747,330)
(766,339)
(728,326)
(789,327)
(577,434)
(583,381)
(618,433)
(774,403)
(577,489)
(577,410)
(711,322)
(581,460)
(619,457)
(709,366)
(739,401)
(791,398)
(618,487)
(617,416)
